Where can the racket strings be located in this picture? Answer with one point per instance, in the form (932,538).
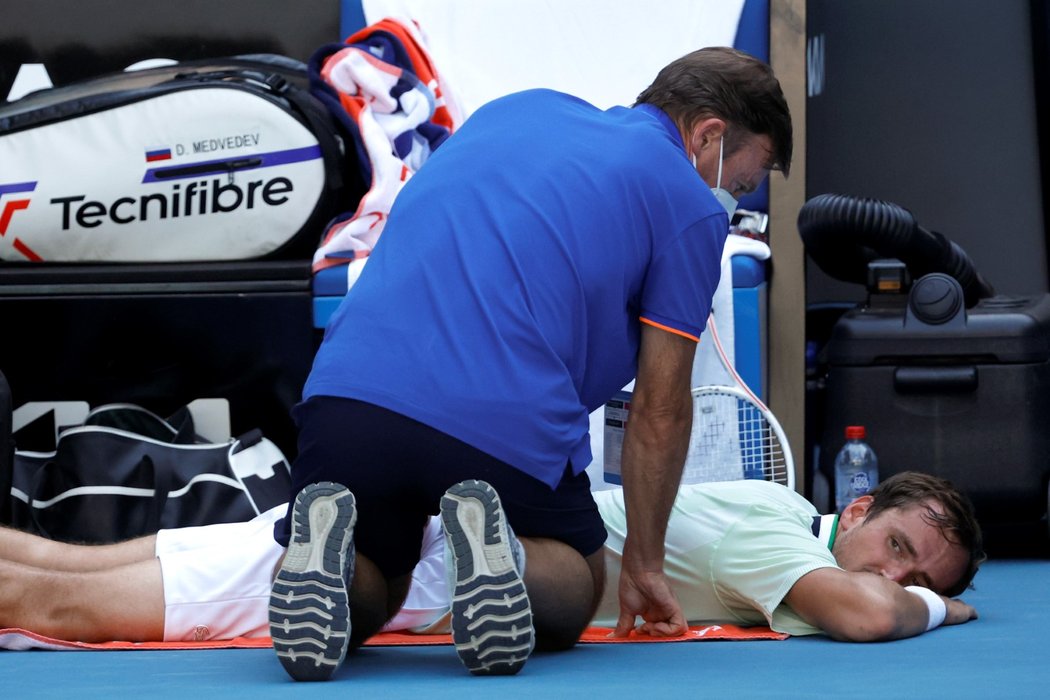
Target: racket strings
(732,439)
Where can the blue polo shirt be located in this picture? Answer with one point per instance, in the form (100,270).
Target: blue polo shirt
(503,302)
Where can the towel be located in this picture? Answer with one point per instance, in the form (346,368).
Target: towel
(14,639)
(387,94)
(707,367)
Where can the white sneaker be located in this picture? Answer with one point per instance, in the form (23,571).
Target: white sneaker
(491,616)
(309,600)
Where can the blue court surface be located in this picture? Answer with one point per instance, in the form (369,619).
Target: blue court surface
(1001,655)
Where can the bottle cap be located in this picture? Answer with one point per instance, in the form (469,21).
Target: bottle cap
(855,432)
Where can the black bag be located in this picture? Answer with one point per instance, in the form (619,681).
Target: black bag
(127,472)
(217,159)
(7,446)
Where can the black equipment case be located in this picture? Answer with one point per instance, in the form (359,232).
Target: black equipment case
(960,393)
(160,336)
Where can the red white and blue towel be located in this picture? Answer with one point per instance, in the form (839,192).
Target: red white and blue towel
(391,101)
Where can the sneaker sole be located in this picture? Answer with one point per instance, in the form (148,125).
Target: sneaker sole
(491,615)
(309,604)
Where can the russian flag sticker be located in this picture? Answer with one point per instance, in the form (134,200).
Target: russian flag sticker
(155,154)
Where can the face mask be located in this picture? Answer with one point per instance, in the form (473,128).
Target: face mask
(724,198)
(727,200)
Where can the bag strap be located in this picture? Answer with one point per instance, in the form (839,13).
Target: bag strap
(162,483)
(34,489)
(132,418)
(318,120)
(262,470)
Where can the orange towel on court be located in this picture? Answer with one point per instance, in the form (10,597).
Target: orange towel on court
(18,639)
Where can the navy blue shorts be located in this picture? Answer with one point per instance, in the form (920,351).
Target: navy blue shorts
(398,469)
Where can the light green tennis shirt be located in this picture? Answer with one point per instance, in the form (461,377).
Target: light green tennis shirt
(734,549)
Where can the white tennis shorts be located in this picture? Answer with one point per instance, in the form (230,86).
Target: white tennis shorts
(217,578)
(217,581)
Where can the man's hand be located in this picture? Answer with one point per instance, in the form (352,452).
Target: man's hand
(648,594)
(958,612)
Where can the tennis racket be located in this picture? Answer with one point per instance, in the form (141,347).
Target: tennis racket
(735,435)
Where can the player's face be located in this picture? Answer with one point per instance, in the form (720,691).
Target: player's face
(900,544)
(748,166)
(743,169)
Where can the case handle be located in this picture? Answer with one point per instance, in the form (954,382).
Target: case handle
(925,380)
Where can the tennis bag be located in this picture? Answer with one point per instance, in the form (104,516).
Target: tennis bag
(127,472)
(218,159)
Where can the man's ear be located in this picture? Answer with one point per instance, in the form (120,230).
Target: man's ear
(706,132)
(855,512)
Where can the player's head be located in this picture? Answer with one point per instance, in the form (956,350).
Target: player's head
(722,82)
(916,529)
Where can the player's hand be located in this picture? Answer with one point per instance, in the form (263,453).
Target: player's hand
(958,612)
(648,594)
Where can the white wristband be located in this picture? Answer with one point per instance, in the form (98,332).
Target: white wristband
(934,603)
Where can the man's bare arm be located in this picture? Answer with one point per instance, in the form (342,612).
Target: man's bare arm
(654,448)
(864,607)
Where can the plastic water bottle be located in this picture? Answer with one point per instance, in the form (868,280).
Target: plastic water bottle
(856,468)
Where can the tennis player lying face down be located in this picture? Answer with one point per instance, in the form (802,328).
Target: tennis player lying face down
(756,553)
(742,552)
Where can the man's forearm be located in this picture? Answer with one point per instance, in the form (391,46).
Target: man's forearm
(882,611)
(864,607)
(654,452)
(655,444)
(653,456)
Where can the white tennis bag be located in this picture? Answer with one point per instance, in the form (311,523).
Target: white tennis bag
(223,159)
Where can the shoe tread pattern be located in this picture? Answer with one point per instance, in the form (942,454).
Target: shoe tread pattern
(309,606)
(491,615)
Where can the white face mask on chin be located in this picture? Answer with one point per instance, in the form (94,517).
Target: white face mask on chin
(727,200)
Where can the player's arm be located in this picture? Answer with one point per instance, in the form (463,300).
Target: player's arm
(865,607)
(654,448)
